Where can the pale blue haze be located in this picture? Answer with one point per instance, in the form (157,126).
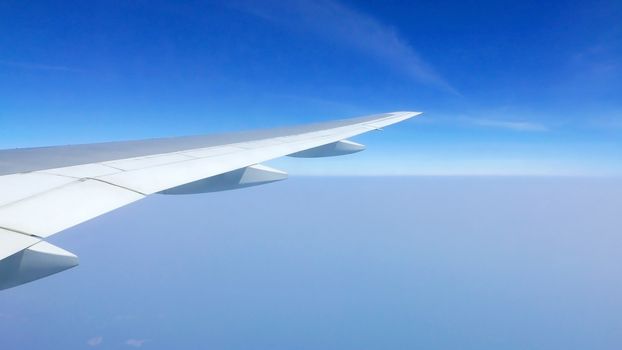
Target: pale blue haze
(340,263)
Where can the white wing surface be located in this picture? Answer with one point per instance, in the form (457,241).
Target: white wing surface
(47,190)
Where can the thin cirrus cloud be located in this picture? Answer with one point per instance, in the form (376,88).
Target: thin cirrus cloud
(38,66)
(335,21)
(613,122)
(137,343)
(507,124)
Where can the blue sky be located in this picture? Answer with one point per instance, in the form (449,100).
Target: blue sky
(507,88)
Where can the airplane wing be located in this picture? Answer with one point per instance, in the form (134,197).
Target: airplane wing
(46,190)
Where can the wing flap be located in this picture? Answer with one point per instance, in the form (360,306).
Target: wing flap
(20,186)
(81,171)
(60,208)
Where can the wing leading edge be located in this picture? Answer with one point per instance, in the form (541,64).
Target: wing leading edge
(47,190)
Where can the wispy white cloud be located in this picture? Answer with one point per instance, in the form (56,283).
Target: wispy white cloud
(38,66)
(346,108)
(507,124)
(335,21)
(137,343)
(95,341)
(613,121)
(595,62)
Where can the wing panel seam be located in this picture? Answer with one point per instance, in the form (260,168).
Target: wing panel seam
(116,185)
(20,232)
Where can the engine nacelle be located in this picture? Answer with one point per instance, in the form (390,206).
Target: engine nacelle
(38,261)
(250,176)
(332,149)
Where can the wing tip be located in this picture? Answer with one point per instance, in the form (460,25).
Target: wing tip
(408,114)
